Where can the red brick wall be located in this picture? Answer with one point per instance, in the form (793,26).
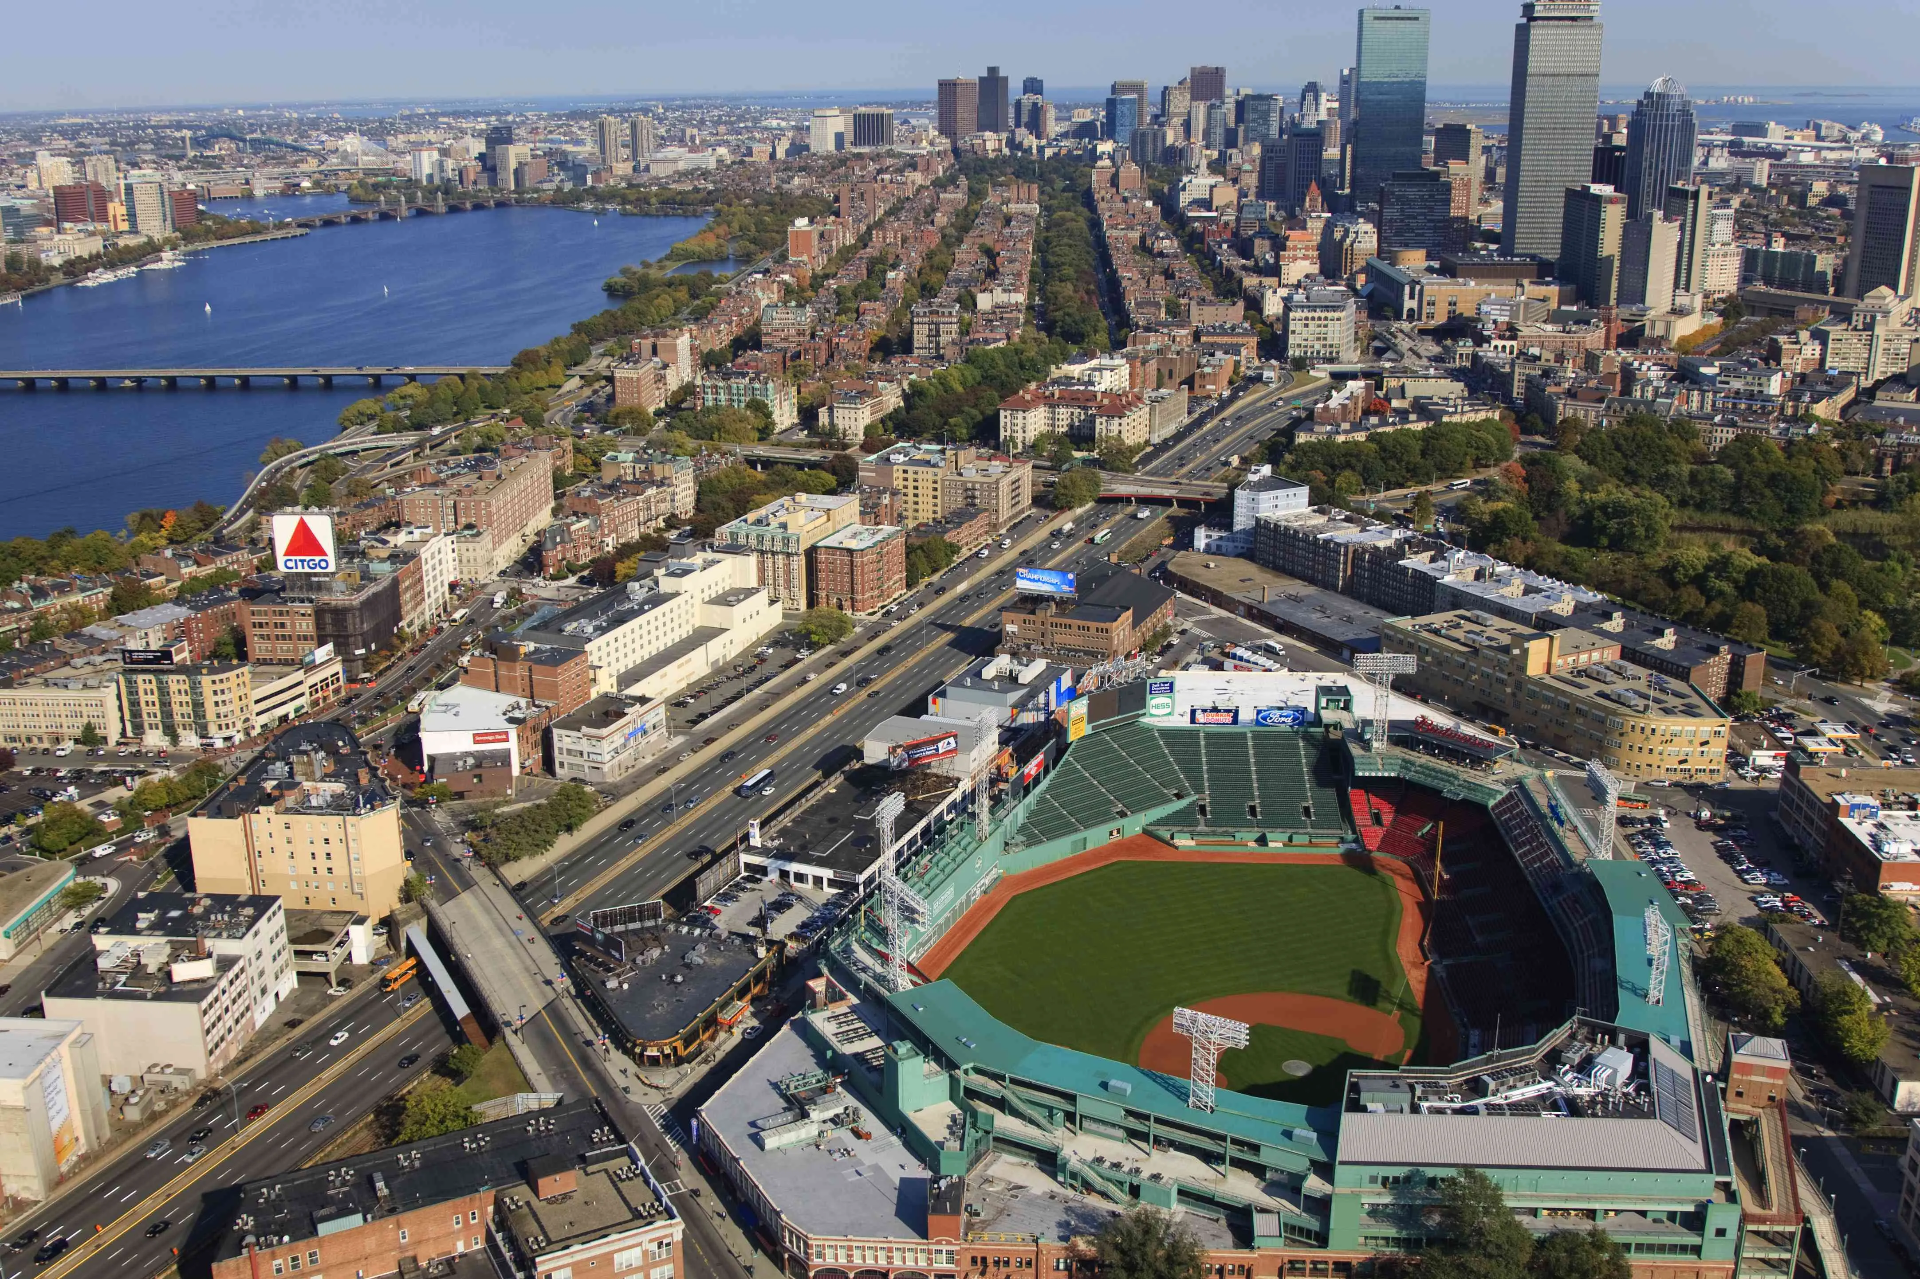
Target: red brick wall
(374,1248)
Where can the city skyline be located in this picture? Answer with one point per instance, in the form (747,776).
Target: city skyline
(153,64)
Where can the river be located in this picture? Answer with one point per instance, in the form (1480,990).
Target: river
(461,288)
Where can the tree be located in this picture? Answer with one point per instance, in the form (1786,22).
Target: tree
(1863,1110)
(1482,1240)
(7,758)
(1740,970)
(1146,1243)
(1860,656)
(1076,488)
(278,447)
(1844,1014)
(415,887)
(317,494)
(1579,1254)
(231,645)
(66,828)
(1744,701)
(1053,447)
(430,1113)
(1423,509)
(433,792)
(89,735)
(1876,923)
(844,468)
(1819,643)
(824,626)
(630,417)
(464,1061)
(81,894)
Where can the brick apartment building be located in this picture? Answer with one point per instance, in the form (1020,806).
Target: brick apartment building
(933,481)
(1114,614)
(859,569)
(781,533)
(1082,415)
(560,677)
(508,500)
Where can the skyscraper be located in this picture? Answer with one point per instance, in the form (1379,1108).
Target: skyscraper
(1466,144)
(1123,117)
(957,112)
(1033,87)
(827,131)
(1174,101)
(1346,98)
(1649,256)
(81,203)
(102,169)
(1207,84)
(1390,95)
(1138,88)
(1659,146)
(1553,103)
(1305,152)
(1692,208)
(995,113)
(1416,212)
(606,139)
(149,212)
(1886,231)
(1213,134)
(1261,118)
(1313,104)
(642,138)
(872,127)
(1593,222)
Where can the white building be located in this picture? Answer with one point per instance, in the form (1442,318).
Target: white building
(828,131)
(1263,494)
(439,570)
(463,721)
(608,738)
(52,1106)
(178,980)
(1321,325)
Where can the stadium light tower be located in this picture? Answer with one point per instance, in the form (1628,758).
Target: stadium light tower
(1211,1036)
(1659,943)
(1380,668)
(1603,819)
(983,776)
(896,899)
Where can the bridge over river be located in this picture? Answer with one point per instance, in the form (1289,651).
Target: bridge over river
(287,376)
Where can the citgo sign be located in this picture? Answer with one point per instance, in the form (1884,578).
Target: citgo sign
(303,543)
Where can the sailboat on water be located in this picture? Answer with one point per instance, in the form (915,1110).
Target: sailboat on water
(209,308)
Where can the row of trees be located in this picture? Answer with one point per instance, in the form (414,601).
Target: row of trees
(961,403)
(530,831)
(1337,470)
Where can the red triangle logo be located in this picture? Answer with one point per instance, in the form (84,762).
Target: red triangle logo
(303,542)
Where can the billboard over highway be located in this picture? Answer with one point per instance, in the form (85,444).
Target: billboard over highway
(1044,581)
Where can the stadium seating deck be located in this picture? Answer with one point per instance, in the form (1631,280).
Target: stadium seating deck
(1272,779)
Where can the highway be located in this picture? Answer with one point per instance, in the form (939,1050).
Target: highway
(107,1218)
(811,729)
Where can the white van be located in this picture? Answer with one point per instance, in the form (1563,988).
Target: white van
(839,688)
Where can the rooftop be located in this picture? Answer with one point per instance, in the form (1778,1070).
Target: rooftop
(25,1042)
(304,1203)
(25,881)
(598,715)
(185,916)
(594,616)
(314,767)
(858,537)
(1590,1096)
(1891,834)
(462,708)
(672,974)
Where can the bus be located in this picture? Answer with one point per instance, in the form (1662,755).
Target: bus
(1102,536)
(746,788)
(401,975)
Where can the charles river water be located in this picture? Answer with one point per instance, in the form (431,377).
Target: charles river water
(464,288)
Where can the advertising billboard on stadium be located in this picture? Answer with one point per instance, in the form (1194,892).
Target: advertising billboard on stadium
(1032,768)
(1160,698)
(303,543)
(1044,581)
(1280,716)
(1076,719)
(1215,715)
(926,750)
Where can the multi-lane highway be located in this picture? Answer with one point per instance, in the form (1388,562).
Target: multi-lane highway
(111,1220)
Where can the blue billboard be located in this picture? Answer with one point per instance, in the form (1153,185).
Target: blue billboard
(1043,581)
(1280,716)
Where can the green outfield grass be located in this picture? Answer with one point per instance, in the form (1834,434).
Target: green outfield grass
(1258,1068)
(1094,962)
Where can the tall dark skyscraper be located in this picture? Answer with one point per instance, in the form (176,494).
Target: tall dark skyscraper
(1553,104)
(1886,231)
(1123,117)
(1389,95)
(1033,87)
(1207,84)
(957,112)
(1260,118)
(1660,140)
(996,116)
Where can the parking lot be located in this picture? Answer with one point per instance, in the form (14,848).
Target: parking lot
(1728,869)
(749,905)
(42,777)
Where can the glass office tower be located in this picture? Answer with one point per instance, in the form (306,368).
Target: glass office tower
(1660,139)
(1389,96)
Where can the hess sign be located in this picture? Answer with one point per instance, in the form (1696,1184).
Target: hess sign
(303,543)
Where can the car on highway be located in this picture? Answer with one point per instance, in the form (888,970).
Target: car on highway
(339,1037)
(629,824)
(200,1135)
(410,1000)
(727,755)
(159,1228)
(838,689)
(259,1110)
(49,1250)
(409,1061)
(321,1124)
(885,649)
(23,1239)
(771,738)
(158,1146)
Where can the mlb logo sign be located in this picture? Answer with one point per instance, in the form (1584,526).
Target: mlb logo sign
(303,543)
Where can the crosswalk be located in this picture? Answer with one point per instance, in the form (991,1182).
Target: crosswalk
(669,1126)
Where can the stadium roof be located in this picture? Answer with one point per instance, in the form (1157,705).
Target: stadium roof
(1629,886)
(965,1033)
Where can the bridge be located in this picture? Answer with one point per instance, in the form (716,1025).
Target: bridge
(289,375)
(400,442)
(396,209)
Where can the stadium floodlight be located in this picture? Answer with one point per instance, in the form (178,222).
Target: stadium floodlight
(1211,1036)
(896,899)
(1603,819)
(989,728)
(1659,943)
(1379,669)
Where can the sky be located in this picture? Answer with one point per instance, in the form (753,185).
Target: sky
(134,53)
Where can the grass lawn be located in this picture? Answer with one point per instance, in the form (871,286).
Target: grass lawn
(1271,1047)
(1899,658)
(1094,962)
(498,1076)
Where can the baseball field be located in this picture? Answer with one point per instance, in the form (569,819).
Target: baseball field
(1308,951)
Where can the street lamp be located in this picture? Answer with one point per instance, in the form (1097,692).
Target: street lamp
(233,1099)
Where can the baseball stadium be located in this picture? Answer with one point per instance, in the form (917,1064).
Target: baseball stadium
(1275,952)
